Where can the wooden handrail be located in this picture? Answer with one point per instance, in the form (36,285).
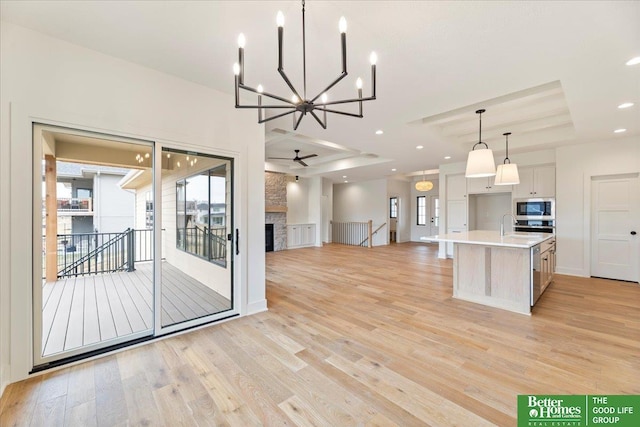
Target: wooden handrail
(371,234)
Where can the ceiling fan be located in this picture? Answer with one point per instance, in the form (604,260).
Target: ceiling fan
(297,158)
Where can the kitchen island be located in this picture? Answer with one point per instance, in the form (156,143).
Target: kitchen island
(496,270)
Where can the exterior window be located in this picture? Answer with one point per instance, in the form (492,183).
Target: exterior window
(201,215)
(148,210)
(422,210)
(393,207)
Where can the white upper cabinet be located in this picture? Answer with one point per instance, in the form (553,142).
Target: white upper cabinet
(456,187)
(485,185)
(539,181)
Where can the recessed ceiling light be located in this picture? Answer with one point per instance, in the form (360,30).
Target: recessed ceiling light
(447,157)
(346,182)
(419,147)
(625,105)
(394,169)
(619,130)
(379,132)
(344,176)
(634,61)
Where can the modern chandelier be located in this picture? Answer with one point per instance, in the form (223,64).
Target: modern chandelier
(298,104)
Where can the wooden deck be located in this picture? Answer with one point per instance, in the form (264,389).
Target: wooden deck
(86,310)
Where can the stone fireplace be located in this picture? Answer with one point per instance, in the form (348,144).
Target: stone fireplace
(276,208)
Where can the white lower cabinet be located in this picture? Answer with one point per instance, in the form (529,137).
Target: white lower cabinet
(301,235)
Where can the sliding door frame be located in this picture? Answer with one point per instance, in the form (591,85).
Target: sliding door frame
(159,330)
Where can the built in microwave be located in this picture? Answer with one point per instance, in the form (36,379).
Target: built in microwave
(542,209)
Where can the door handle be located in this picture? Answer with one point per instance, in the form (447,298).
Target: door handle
(633,233)
(237,242)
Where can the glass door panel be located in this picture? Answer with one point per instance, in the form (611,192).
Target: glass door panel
(197,224)
(94,288)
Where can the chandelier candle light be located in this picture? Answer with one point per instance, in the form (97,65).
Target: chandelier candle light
(299,103)
(480,162)
(507,173)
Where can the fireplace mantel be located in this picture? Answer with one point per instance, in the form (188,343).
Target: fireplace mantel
(275,209)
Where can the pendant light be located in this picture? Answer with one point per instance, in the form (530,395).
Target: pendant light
(507,173)
(480,162)
(424,185)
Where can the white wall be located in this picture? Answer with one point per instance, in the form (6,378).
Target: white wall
(418,231)
(401,190)
(326,205)
(298,201)
(361,202)
(575,165)
(50,81)
(114,207)
(486,211)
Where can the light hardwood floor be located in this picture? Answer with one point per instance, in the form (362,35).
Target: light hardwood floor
(361,337)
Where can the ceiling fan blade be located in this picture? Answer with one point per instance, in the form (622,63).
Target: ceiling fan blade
(301,162)
(307,157)
(279,158)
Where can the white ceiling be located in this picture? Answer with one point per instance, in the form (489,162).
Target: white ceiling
(552,73)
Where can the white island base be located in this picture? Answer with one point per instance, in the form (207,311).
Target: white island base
(492,275)
(493,270)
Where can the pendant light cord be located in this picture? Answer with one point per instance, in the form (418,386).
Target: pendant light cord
(480,132)
(304,58)
(507,149)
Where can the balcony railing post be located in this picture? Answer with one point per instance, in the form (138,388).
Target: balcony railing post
(130,250)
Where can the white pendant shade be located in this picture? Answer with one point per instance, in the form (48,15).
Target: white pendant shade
(480,163)
(424,185)
(507,174)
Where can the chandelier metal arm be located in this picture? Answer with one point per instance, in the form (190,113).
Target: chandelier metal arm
(297,123)
(270,95)
(288,82)
(335,82)
(315,116)
(346,101)
(277,116)
(344,113)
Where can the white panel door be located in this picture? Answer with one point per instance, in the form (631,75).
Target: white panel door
(615,224)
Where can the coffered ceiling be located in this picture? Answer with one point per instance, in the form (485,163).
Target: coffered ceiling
(552,73)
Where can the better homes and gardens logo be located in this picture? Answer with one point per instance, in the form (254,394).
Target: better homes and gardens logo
(578,410)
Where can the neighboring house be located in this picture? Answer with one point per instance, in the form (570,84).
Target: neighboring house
(94,202)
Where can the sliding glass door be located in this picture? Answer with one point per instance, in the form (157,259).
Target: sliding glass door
(93,280)
(197,224)
(131,240)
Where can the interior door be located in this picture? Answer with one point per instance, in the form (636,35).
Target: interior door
(615,223)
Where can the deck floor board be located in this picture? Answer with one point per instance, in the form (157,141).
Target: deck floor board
(84,310)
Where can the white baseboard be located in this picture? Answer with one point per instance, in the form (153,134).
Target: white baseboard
(571,271)
(257,307)
(4,374)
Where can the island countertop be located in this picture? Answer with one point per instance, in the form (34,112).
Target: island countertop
(492,238)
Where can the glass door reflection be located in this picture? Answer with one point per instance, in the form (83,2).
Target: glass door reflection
(197,217)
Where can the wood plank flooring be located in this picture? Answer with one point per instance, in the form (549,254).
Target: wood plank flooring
(85,310)
(356,337)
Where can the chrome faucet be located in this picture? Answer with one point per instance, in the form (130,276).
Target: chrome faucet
(515,222)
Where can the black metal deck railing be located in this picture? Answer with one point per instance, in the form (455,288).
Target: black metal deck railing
(91,253)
